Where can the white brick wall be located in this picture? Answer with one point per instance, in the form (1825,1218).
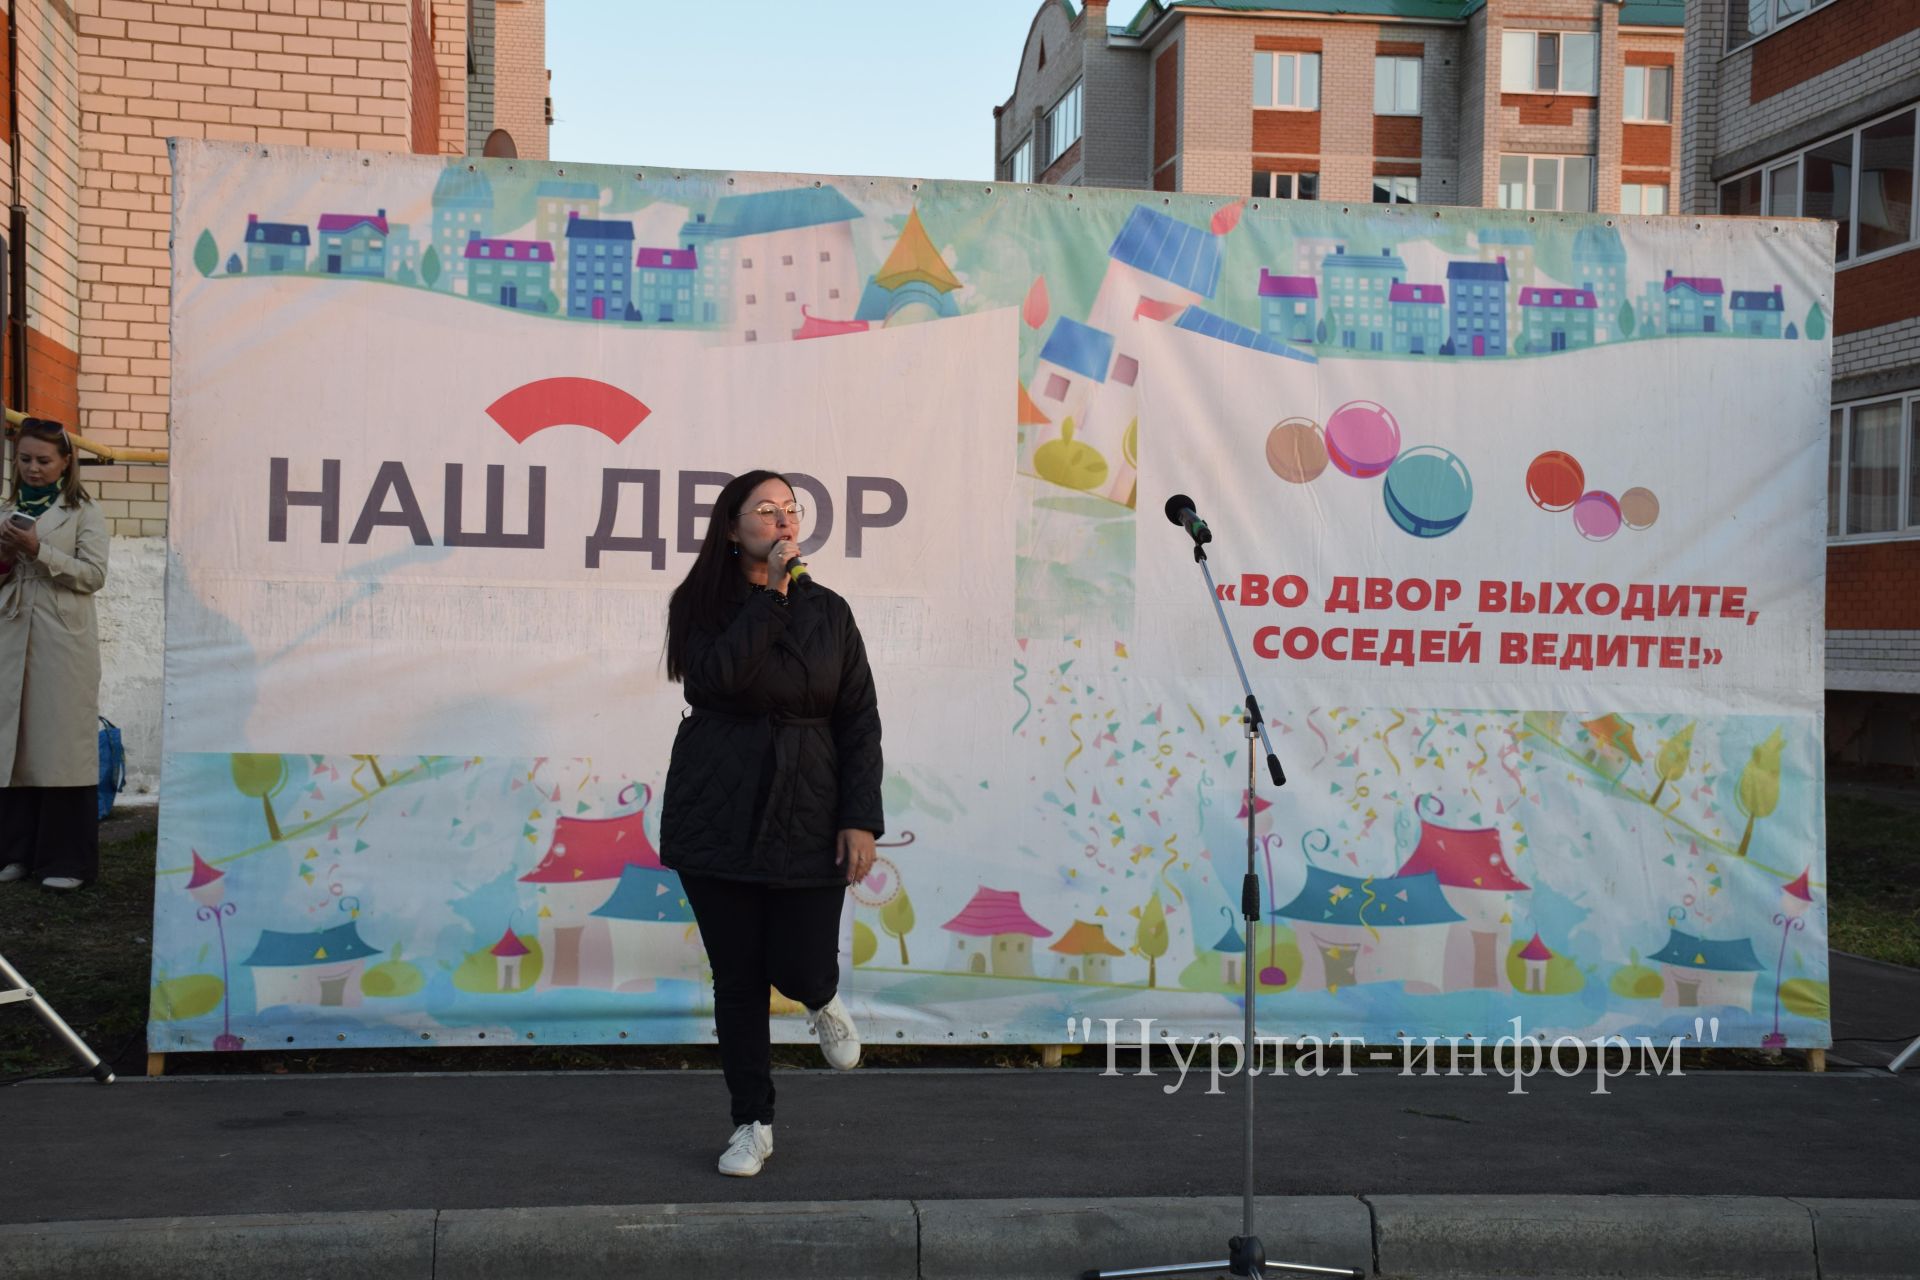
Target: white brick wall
(1878,350)
(1879,661)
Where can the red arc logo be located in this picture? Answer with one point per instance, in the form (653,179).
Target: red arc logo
(561,402)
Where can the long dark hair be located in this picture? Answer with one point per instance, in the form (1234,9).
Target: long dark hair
(72,492)
(700,601)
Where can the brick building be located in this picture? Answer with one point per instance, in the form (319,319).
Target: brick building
(95,88)
(1808,108)
(1538,104)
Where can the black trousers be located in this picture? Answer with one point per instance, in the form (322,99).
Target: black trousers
(758,936)
(52,831)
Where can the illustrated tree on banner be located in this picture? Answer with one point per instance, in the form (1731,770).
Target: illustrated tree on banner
(261,776)
(1759,791)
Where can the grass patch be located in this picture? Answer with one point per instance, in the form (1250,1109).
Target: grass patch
(88,954)
(1873,879)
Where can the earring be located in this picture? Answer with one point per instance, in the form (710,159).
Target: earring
(733,548)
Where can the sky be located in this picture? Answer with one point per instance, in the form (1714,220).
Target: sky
(901,88)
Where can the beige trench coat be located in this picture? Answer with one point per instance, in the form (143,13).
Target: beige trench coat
(50,653)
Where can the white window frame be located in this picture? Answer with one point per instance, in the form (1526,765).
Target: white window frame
(1775,19)
(1794,160)
(1560,62)
(1907,517)
(1640,189)
(1641,112)
(1020,161)
(1272,184)
(1295,64)
(1396,186)
(1390,66)
(1064,122)
(1559,182)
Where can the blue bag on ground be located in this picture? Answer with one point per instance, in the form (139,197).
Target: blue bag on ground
(113,765)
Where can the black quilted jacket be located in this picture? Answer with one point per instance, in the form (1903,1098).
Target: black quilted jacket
(781,749)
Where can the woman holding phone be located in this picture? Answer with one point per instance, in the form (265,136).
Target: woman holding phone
(53,549)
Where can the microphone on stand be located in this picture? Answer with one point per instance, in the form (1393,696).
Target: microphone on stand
(1180,511)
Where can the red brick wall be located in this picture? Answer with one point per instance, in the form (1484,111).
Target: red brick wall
(1396,136)
(1287,44)
(1877,293)
(1874,587)
(1396,168)
(424,70)
(1646,146)
(1400,49)
(1294,133)
(6,90)
(1058,169)
(1166,110)
(1836,34)
(1649,57)
(53,381)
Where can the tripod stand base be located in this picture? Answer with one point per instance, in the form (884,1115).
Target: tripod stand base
(1247,1257)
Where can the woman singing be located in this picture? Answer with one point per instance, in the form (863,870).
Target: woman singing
(772,799)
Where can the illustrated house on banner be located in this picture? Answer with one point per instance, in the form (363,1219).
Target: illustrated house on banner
(1086,955)
(1699,972)
(1478,317)
(581,869)
(1359,297)
(276,247)
(651,929)
(507,955)
(1419,313)
(664,283)
(353,244)
(1756,313)
(774,255)
(1557,319)
(1600,264)
(1289,307)
(994,934)
(1479,886)
(319,968)
(914,283)
(1535,956)
(554,201)
(1693,303)
(1072,364)
(462,208)
(1232,952)
(1355,929)
(516,274)
(600,263)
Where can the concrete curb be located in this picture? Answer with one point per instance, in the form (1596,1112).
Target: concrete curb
(1404,1237)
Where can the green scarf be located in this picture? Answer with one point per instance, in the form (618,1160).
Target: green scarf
(36,499)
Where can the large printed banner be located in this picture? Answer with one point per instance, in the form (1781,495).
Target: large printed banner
(1518,525)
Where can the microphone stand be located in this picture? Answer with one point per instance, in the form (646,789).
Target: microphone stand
(1246,1255)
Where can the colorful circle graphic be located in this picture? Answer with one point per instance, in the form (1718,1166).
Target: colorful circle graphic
(1363,438)
(1296,450)
(1597,515)
(1428,491)
(1555,481)
(1639,508)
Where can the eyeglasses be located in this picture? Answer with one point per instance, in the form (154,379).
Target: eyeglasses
(767,511)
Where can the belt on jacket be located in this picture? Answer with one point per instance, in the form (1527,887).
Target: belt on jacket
(777,721)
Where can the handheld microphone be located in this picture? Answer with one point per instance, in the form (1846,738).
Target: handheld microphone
(1180,511)
(796,569)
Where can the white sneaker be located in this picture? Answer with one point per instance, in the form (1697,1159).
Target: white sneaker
(747,1150)
(13,871)
(62,883)
(839,1039)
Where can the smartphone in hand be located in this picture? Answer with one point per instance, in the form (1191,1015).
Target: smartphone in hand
(21,520)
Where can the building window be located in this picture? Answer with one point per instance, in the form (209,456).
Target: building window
(1063,123)
(1396,86)
(1871,489)
(1549,62)
(1126,370)
(1864,180)
(1649,95)
(1290,80)
(1395,190)
(1748,20)
(1642,199)
(1020,163)
(1546,182)
(1286,186)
